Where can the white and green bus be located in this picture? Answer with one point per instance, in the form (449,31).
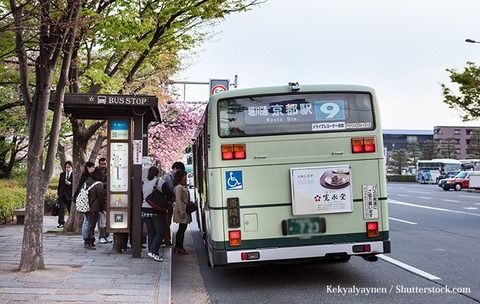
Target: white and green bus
(291,173)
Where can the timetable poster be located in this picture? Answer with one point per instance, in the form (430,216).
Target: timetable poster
(119,167)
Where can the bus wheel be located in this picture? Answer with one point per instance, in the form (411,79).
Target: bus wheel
(458,187)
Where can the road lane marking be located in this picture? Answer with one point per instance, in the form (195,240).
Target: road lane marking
(424,197)
(402,195)
(470,196)
(451,201)
(431,208)
(470,208)
(409,268)
(403,221)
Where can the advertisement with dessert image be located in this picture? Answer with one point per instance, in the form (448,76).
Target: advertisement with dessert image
(321,190)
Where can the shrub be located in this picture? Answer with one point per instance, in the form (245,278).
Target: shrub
(13,196)
(401,178)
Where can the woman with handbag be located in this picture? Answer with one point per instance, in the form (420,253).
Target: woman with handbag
(180,214)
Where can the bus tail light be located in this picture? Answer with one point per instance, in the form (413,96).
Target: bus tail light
(361,248)
(235,151)
(363,145)
(372,229)
(247,256)
(234,238)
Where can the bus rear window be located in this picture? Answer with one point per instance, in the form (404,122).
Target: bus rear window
(295,114)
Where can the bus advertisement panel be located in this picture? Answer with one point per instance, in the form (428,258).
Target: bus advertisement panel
(291,173)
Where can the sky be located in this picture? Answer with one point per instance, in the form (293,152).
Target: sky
(400,48)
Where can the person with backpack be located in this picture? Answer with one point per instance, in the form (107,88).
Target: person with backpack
(87,170)
(96,202)
(153,213)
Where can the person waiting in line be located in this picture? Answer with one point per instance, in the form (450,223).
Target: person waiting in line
(88,168)
(102,226)
(168,178)
(64,192)
(97,202)
(154,219)
(180,215)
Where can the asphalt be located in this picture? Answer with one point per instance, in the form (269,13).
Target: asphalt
(73,274)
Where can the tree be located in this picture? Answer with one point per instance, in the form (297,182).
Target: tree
(473,147)
(430,150)
(413,149)
(447,148)
(399,160)
(467,102)
(169,139)
(89,46)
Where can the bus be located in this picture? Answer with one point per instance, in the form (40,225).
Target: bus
(429,171)
(293,173)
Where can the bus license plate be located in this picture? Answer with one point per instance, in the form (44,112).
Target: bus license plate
(310,225)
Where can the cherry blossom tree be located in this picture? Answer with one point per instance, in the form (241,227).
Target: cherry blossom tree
(168,140)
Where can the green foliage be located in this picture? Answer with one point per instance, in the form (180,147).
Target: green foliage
(467,99)
(430,150)
(401,178)
(12,196)
(399,160)
(447,148)
(50,199)
(473,147)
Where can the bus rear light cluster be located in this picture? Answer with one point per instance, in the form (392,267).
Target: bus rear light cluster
(361,248)
(363,145)
(247,256)
(234,238)
(235,151)
(372,229)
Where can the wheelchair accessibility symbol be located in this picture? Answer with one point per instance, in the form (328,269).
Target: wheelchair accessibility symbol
(234,180)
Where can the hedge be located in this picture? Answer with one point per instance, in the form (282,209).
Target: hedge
(13,196)
(401,178)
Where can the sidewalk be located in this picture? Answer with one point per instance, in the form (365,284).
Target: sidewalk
(73,274)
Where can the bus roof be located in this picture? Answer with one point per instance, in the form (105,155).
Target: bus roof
(441,160)
(288,89)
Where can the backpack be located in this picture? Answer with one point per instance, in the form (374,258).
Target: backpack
(82,204)
(158,198)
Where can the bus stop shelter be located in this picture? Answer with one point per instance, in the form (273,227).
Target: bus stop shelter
(140,110)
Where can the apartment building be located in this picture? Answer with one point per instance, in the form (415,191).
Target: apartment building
(460,134)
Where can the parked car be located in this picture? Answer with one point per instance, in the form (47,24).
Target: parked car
(460,181)
(449,174)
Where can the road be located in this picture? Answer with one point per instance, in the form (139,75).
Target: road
(435,259)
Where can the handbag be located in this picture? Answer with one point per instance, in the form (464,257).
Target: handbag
(191,207)
(55,209)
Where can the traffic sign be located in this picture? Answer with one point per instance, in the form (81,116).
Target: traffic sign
(218,86)
(218,89)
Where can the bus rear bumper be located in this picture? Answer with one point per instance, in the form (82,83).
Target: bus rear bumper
(368,250)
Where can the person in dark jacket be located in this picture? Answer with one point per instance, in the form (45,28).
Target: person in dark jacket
(97,202)
(64,192)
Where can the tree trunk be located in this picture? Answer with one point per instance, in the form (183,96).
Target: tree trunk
(32,247)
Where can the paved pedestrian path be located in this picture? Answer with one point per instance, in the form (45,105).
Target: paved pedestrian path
(77,275)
